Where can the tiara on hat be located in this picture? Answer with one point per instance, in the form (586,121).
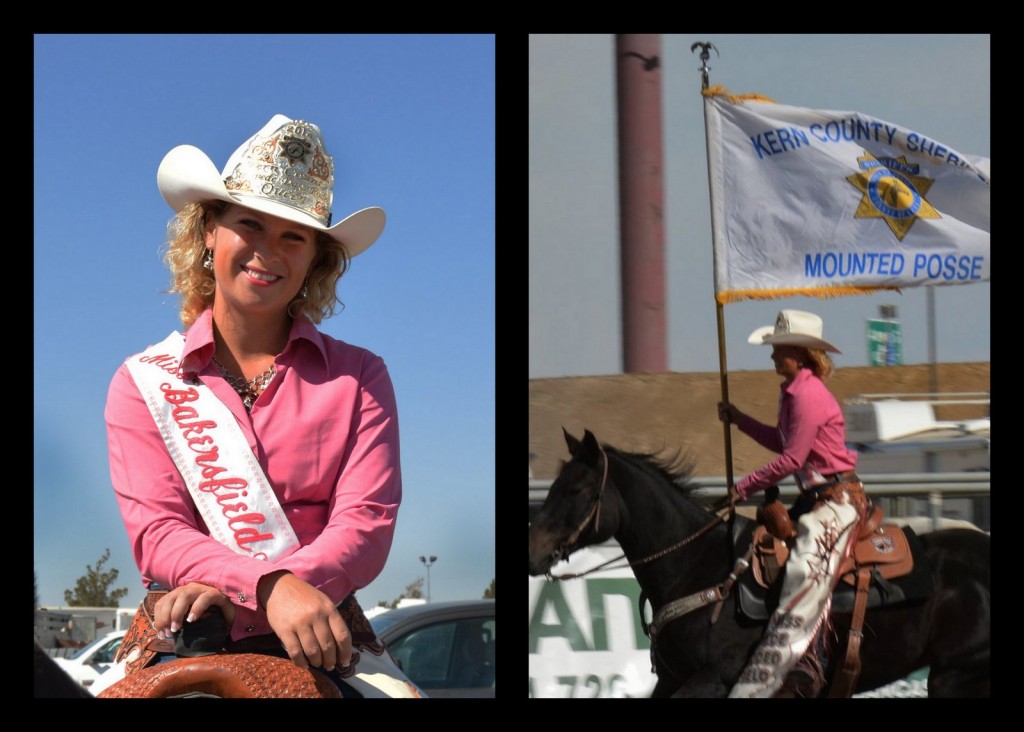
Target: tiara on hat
(288,165)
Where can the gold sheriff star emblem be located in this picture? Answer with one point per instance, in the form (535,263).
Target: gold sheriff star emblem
(893,191)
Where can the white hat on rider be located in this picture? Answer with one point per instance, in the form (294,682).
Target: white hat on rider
(283,170)
(793,328)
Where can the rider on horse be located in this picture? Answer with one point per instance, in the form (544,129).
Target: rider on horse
(255,459)
(810,437)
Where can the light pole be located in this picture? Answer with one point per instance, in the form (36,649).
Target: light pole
(428,562)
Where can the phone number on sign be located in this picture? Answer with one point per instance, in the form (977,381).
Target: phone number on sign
(590,686)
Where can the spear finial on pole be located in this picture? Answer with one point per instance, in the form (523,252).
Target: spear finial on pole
(704,56)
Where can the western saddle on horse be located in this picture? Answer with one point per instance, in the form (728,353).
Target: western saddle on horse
(228,676)
(209,664)
(882,553)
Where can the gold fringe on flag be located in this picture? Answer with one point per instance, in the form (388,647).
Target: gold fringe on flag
(720,91)
(824,293)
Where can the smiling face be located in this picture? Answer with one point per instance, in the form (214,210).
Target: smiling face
(259,261)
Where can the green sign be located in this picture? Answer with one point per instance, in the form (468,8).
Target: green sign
(885,343)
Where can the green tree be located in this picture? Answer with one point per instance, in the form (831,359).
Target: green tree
(489,592)
(93,589)
(412,591)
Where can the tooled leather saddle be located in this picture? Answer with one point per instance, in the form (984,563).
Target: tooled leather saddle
(209,664)
(885,568)
(227,676)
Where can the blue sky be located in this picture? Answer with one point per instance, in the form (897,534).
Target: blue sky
(410,122)
(938,85)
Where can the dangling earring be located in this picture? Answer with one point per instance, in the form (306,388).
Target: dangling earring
(305,290)
(208,260)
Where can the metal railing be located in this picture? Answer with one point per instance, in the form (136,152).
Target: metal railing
(941,399)
(934,486)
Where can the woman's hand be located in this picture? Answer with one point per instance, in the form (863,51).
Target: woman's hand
(734,497)
(728,413)
(188,602)
(306,621)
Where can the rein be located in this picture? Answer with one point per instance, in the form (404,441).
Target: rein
(562,551)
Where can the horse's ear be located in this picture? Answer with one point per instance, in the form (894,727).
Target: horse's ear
(570,441)
(590,446)
(587,450)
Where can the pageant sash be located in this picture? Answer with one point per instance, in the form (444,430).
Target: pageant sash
(233,495)
(227,484)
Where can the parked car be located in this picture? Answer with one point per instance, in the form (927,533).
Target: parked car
(446,648)
(93,659)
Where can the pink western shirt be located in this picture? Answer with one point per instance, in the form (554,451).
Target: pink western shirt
(325,432)
(810,435)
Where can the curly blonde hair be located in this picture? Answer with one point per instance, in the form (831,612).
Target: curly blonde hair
(820,363)
(186,250)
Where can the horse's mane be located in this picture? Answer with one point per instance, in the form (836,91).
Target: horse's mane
(676,470)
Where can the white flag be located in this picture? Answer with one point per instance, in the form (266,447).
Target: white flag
(825,203)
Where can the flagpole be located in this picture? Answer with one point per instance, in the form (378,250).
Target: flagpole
(719,308)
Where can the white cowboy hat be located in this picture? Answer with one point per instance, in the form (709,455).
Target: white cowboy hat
(793,328)
(283,170)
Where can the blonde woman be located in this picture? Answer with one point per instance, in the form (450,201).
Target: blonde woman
(810,439)
(254,458)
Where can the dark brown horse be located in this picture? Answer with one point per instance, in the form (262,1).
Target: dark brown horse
(649,508)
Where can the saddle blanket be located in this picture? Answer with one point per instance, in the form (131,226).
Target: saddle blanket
(757,603)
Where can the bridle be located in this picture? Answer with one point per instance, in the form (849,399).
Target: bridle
(594,514)
(714,595)
(565,548)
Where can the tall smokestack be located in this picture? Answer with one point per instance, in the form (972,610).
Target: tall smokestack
(641,202)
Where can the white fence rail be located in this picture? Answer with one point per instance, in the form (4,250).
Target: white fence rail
(934,398)
(936,487)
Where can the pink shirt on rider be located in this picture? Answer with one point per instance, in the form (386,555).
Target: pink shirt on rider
(810,435)
(325,432)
